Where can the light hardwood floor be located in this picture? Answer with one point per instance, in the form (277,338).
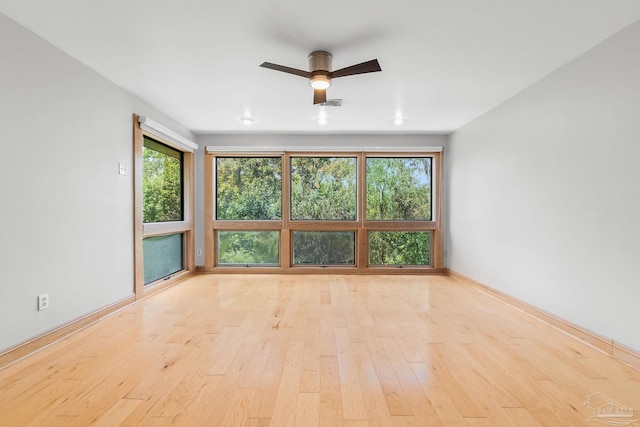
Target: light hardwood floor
(316,350)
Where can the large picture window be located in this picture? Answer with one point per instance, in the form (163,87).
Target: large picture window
(300,212)
(248,188)
(323,188)
(399,188)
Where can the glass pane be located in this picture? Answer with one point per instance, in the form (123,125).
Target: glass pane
(248,188)
(399,247)
(324,247)
(161,182)
(249,247)
(163,256)
(323,188)
(399,188)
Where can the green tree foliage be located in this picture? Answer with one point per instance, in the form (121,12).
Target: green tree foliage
(323,188)
(399,247)
(399,188)
(324,247)
(248,247)
(249,188)
(161,183)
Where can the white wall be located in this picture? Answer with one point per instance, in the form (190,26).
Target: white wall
(297,140)
(544,199)
(66,216)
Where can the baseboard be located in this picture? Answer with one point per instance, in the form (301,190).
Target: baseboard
(614,349)
(319,270)
(24,349)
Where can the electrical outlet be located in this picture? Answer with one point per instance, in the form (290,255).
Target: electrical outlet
(199,252)
(43,302)
(122,169)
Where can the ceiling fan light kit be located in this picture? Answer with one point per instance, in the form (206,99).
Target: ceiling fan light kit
(320,81)
(320,73)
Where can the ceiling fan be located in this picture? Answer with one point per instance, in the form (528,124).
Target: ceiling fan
(320,73)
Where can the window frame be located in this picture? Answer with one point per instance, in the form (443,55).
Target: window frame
(434,225)
(143,230)
(211,233)
(361,226)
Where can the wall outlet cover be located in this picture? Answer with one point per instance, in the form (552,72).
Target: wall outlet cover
(43,302)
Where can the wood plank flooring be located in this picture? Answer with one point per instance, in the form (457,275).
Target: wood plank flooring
(316,350)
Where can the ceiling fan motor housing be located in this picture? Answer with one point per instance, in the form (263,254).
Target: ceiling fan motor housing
(320,60)
(320,69)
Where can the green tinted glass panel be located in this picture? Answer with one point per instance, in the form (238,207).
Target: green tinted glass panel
(324,247)
(323,188)
(248,188)
(399,248)
(161,182)
(163,256)
(399,188)
(249,247)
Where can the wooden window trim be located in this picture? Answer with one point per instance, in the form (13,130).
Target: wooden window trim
(143,230)
(361,226)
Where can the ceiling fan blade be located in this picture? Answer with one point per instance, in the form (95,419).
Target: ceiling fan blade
(319,96)
(366,67)
(284,69)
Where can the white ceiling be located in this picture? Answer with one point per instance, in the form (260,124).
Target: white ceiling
(444,62)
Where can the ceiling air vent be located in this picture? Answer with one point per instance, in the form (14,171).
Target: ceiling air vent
(332,103)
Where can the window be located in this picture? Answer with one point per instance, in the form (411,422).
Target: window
(163,211)
(248,188)
(163,256)
(248,211)
(399,248)
(248,207)
(399,191)
(161,182)
(248,248)
(324,248)
(399,188)
(323,188)
(162,201)
(335,211)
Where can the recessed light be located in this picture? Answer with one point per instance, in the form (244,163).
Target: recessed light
(246,120)
(398,117)
(322,116)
